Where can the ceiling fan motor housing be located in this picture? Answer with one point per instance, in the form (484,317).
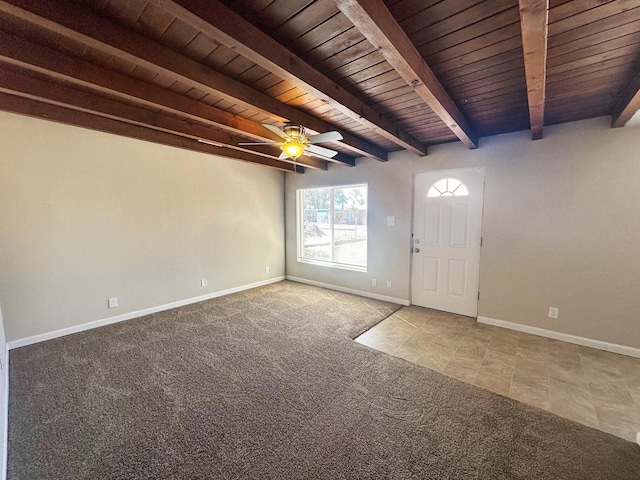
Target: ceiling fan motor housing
(293,130)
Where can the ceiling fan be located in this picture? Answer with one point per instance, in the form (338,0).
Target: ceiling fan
(296,142)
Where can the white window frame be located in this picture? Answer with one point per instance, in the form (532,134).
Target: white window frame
(300,235)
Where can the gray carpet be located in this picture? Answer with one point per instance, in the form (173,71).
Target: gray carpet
(267,384)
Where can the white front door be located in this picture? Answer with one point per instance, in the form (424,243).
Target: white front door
(447,222)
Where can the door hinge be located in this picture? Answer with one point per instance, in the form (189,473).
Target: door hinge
(478,295)
(480,241)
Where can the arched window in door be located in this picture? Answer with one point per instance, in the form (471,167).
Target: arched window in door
(448,187)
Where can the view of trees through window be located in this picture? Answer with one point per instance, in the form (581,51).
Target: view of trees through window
(333,226)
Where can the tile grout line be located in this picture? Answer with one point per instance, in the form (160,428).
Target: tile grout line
(588,385)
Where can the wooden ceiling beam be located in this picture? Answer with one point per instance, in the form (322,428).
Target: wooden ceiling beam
(33,108)
(628,103)
(218,22)
(17,84)
(534,25)
(56,65)
(381,29)
(74,22)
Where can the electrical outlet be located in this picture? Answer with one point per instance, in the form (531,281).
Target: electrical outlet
(553,312)
(267,270)
(388,283)
(374,282)
(204,282)
(113,302)
(391,221)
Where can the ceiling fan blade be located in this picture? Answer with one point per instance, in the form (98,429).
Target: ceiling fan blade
(259,143)
(325,152)
(275,130)
(325,137)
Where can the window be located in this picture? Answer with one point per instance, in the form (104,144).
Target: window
(448,187)
(332,226)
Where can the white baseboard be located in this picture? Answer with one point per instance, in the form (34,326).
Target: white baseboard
(21,342)
(565,337)
(384,298)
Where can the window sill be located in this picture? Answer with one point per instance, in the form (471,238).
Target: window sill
(342,266)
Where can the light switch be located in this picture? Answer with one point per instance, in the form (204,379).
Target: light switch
(391,221)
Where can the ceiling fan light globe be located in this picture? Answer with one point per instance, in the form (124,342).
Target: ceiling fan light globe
(293,149)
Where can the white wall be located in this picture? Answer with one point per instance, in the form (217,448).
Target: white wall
(561,227)
(88,215)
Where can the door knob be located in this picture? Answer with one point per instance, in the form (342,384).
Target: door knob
(416,250)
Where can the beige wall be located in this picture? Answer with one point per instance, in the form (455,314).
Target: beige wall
(4,394)
(561,227)
(87,216)
(388,247)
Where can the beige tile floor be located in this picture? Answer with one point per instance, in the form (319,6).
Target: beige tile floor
(590,386)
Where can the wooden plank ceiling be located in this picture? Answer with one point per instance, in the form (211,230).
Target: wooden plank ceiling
(386,74)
